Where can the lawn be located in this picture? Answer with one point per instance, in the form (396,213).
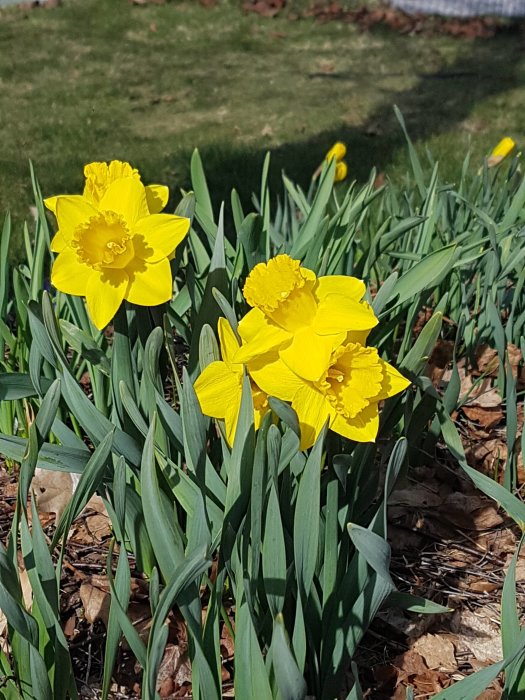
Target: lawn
(94,80)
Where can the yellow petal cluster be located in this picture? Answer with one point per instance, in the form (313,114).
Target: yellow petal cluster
(112,242)
(304,341)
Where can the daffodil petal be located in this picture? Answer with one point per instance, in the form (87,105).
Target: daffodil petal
(228,341)
(263,335)
(149,284)
(393,382)
(274,377)
(127,197)
(104,294)
(58,242)
(312,411)
(338,312)
(251,324)
(157,197)
(69,275)
(308,355)
(350,287)
(161,234)
(71,211)
(230,422)
(218,389)
(51,203)
(361,428)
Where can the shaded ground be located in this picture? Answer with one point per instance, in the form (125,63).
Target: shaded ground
(148,83)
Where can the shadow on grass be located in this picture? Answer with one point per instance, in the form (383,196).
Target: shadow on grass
(437,105)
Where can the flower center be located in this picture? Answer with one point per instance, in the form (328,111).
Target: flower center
(104,241)
(353,379)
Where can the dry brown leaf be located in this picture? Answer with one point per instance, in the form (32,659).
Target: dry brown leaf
(486,417)
(410,663)
(491,694)
(96,599)
(478,633)
(174,670)
(437,651)
(418,495)
(481,586)
(53,492)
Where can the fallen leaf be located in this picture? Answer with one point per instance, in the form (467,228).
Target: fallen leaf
(174,670)
(478,633)
(437,651)
(95,598)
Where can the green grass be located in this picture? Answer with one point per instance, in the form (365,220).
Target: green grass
(96,80)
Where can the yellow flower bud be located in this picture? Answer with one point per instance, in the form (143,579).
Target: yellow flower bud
(341,171)
(338,151)
(501,151)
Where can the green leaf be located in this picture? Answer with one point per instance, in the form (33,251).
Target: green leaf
(415,604)
(159,514)
(251,678)
(306,518)
(373,548)
(290,681)
(274,556)
(425,274)
(418,355)
(16,385)
(510,622)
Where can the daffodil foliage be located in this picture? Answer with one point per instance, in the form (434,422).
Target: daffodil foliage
(234,384)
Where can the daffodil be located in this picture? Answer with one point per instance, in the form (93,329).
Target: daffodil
(338,151)
(115,249)
(301,317)
(501,151)
(99,176)
(341,171)
(219,387)
(347,394)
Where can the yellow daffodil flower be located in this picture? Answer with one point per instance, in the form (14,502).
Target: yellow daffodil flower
(338,151)
(355,379)
(219,387)
(501,151)
(341,171)
(115,250)
(301,317)
(99,176)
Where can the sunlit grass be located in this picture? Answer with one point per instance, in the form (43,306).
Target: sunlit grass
(96,80)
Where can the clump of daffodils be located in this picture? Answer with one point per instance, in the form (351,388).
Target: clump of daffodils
(112,241)
(304,342)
